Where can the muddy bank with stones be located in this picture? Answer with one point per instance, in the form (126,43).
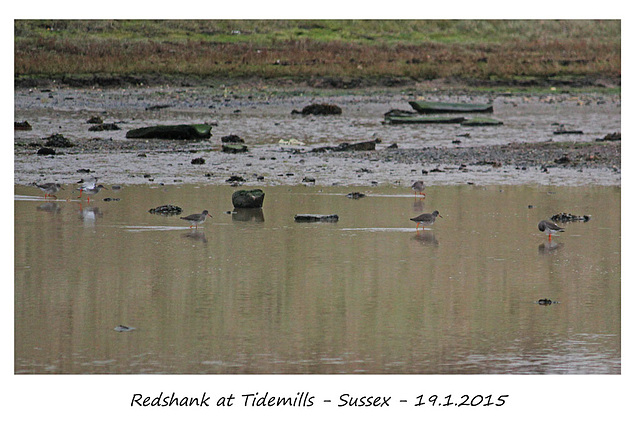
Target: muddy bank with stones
(558,139)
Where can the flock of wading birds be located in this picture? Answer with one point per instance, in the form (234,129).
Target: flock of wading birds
(91,188)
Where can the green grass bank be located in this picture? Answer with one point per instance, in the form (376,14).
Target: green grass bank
(321,53)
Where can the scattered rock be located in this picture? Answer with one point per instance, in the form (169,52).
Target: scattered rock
(345,146)
(57,140)
(316,218)
(44,151)
(247,199)
(234,148)
(546,301)
(188,132)
(95,120)
(22,125)
(157,107)
(355,195)
(235,178)
(166,210)
(615,136)
(309,180)
(234,139)
(197,161)
(103,127)
(565,217)
(319,110)
(563,160)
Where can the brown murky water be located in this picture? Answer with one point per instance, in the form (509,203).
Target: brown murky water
(260,293)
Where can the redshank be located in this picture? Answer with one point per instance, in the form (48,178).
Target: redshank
(91,191)
(196,219)
(49,188)
(549,228)
(426,219)
(418,188)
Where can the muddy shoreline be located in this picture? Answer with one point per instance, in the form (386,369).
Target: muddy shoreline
(523,151)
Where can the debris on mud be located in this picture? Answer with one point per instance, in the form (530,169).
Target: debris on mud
(104,126)
(22,125)
(187,132)
(58,140)
(319,110)
(345,146)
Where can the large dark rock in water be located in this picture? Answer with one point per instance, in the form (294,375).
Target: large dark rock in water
(172,132)
(319,110)
(247,199)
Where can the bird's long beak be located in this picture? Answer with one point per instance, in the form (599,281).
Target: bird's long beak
(209,215)
(440,215)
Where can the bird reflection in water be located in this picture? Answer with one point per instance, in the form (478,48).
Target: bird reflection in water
(196,234)
(549,247)
(50,207)
(89,215)
(427,238)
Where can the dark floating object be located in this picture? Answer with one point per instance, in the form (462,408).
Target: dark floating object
(200,131)
(315,218)
(22,125)
(355,195)
(247,199)
(565,217)
(424,107)
(234,148)
(345,146)
(481,121)
(546,301)
(166,210)
(123,328)
(319,110)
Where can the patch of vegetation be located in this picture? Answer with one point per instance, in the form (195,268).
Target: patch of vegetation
(486,50)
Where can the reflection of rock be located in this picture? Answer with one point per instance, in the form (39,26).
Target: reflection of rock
(565,217)
(196,235)
(546,301)
(123,328)
(247,199)
(548,247)
(166,210)
(245,215)
(315,218)
(355,195)
(234,148)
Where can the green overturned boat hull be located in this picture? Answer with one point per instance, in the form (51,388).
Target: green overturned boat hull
(424,107)
(172,132)
(394,120)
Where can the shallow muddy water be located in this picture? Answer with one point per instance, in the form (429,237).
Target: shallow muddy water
(256,292)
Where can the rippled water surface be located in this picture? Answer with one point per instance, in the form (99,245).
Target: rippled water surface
(256,292)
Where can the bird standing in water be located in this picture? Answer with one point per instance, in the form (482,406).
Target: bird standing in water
(549,228)
(196,219)
(426,219)
(418,188)
(49,188)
